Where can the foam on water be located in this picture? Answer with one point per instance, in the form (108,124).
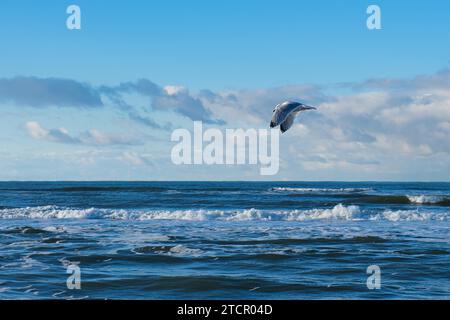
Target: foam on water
(181,250)
(424,199)
(181,240)
(320,190)
(338,212)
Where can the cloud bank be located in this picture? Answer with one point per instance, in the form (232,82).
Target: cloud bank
(91,137)
(379,127)
(57,92)
(45,92)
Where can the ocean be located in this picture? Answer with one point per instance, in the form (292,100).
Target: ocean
(224,240)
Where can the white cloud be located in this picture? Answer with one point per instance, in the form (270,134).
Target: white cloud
(91,137)
(134,158)
(370,130)
(35,130)
(173,90)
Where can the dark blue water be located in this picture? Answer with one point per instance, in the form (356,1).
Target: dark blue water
(230,240)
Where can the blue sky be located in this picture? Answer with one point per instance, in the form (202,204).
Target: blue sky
(259,52)
(205,44)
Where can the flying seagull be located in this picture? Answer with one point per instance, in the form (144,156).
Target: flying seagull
(285,113)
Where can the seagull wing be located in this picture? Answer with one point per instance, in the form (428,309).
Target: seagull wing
(282,111)
(287,123)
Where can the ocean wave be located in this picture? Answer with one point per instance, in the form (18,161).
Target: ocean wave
(401,199)
(54,212)
(429,199)
(320,190)
(177,250)
(409,215)
(338,212)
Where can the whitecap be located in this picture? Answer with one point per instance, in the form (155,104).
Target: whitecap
(180,250)
(427,199)
(320,190)
(409,215)
(53,212)
(338,212)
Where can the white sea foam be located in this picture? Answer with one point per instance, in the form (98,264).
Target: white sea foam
(410,215)
(338,212)
(181,250)
(423,199)
(53,212)
(324,190)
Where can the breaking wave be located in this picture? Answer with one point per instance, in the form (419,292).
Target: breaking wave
(429,199)
(320,190)
(338,212)
(399,199)
(409,215)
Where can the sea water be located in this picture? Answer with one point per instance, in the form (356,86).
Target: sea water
(224,240)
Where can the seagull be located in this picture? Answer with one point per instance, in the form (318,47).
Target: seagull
(285,113)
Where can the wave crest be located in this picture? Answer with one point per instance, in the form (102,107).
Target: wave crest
(320,190)
(428,199)
(338,212)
